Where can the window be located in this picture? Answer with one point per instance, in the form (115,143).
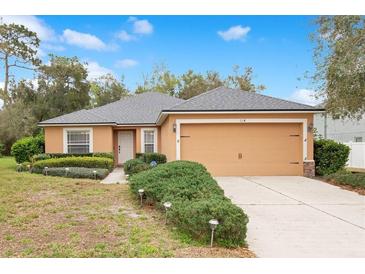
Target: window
(358,139)
(149,140)
(77,141)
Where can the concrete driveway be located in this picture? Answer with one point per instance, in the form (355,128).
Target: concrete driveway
(299,217)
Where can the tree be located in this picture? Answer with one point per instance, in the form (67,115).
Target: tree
(18,48)
(161,80)
(243,81)
(339,57)
(61,87)
(107,89)
(16,121)
(192,84)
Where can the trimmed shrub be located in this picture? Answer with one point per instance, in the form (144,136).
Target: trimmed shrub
(25,148)
(139,155)
(109,155)
(330,156)
(96,154)
(157,157)
(25,166)
(73,172)
(348,178)
(39,157)
(196,198)
(134,166)
(88,162)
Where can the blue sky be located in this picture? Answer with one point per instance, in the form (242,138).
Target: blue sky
(277,47)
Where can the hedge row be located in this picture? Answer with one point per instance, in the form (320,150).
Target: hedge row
(88,162)
(25,148)
(196,198)
(45,156)
(73,172)
(330,156)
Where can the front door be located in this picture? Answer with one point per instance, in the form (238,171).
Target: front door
(125,146)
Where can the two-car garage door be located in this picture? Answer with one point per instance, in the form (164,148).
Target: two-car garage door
(244,149)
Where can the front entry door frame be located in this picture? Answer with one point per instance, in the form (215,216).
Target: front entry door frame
(125,146)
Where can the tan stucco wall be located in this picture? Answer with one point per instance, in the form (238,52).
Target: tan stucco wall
(53,139)
(168,137)
(102,139)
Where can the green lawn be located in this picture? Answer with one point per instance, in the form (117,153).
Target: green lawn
(44,216)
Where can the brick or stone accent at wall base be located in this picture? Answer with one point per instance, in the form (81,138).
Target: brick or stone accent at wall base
(309,168)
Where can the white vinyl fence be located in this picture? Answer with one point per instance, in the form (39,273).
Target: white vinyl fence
(357,154)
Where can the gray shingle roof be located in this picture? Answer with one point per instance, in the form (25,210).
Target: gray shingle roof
(225,99)
(145,108)
(137,109)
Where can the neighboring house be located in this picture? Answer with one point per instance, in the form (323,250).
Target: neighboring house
(231,132)
(347,131)
(340,130)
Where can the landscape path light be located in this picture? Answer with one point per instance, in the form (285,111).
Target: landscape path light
(94,174)
(46,170)
(167,206)
(141,192)
(213,225)
(67,170)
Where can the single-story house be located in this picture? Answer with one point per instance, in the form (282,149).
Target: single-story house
(231,132)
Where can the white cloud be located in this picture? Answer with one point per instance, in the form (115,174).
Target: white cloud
(140,26)
(44,32)
(304,96)
(83,40)
(95,70)
(125,36)
(126,63)
(234,33)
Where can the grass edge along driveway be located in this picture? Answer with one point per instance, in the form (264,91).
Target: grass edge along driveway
(44,216)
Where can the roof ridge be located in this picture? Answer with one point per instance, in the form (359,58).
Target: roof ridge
(197,96)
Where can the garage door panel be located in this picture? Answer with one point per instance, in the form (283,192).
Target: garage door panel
(266,149)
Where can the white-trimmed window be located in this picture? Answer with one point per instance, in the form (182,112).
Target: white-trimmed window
(77,140)
(149,140)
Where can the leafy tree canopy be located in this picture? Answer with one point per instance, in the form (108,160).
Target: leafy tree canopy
(107,89)
(339,56)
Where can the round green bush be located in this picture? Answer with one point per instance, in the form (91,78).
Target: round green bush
(330,156)
(41,156)
(157,157)
(25,148)
(134,166)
